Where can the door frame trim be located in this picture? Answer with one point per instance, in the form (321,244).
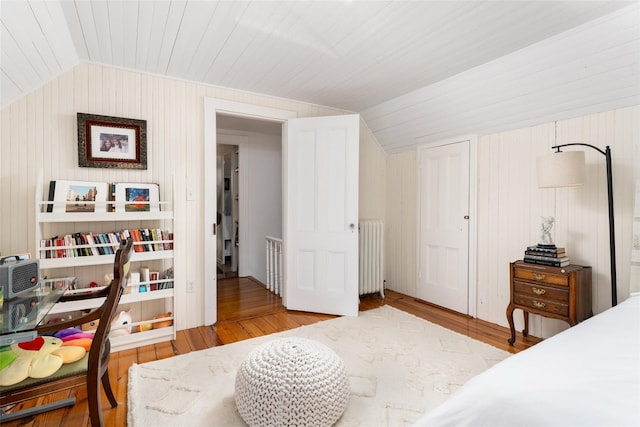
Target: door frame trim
(212,106)
(472,302)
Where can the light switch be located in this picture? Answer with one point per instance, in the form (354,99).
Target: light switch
(191,195)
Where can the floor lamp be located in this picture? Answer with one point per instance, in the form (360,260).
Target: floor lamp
(567,169)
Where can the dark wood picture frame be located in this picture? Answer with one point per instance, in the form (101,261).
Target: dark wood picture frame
(111,142)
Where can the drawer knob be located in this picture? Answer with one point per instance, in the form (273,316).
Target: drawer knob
(538,304)
(538,291)
(539,276)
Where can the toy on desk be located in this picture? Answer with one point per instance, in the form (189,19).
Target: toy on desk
(90,326)
(75,337)
(39,358)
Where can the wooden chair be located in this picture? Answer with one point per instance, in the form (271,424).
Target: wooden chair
(92,369)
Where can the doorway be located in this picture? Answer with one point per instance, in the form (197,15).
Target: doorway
(215,110)
(337,137)
(249,194)
(228,220)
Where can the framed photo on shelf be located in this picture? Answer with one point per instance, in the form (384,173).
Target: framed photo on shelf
(136,197)
(111,142)
(77,196)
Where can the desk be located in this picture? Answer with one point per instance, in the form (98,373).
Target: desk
(20,318)
(22,314)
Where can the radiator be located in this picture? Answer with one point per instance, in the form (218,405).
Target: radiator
(274,264)
(371,257)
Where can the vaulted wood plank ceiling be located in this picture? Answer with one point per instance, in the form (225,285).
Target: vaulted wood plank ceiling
(418,71)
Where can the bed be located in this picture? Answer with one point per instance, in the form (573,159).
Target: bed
(588,375)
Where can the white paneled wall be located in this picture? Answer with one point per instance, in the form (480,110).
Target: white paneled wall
(39,132)
(400,227)
(510,205)
(372,176)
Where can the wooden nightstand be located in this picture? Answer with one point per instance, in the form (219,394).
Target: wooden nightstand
(560,292)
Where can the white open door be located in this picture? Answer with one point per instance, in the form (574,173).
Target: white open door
(443,275)
(321,214)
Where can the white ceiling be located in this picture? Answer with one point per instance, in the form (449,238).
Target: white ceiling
(417,71)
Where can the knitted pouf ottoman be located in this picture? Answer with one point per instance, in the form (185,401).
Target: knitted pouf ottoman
(292,382)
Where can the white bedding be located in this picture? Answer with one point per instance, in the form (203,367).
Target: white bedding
(588,375)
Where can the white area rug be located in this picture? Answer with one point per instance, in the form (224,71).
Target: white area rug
(399,367)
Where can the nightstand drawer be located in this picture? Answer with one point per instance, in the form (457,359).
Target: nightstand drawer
(541,276)
(534,290)
(540,304)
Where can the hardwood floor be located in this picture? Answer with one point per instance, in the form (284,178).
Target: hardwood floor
(246,310)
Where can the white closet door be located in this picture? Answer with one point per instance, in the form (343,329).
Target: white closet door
(444,226)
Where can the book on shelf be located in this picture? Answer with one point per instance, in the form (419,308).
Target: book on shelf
(168,239)
(146,237)
(82,248)
(106,248)
(557,254)
(88,248)
(52,193)
(547,258)
(68,242)
(60,252)
(95,250)
(553,262)
(156,236)
(135,235)
(549,249)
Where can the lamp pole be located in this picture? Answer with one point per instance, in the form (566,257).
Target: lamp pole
(612,242)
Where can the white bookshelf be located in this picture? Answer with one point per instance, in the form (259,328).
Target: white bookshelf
(144,305)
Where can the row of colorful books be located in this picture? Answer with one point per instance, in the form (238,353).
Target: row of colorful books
(92,244)
(546,255)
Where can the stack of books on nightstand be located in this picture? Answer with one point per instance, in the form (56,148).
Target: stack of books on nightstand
(546,255)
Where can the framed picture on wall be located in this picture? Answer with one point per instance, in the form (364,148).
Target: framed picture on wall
(111,142)
(136,197)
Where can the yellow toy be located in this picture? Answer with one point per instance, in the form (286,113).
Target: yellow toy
(164,323)
(39,358)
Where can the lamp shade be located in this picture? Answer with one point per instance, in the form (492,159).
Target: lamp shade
(562,169)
